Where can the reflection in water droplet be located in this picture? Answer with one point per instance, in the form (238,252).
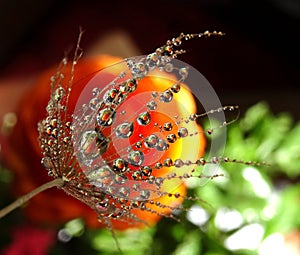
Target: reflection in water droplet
(113,96)
(120,165)
(151,105)
(144,194)
(47,163)
(101,176)
(171,138)
(139,70)
(124,130)
(166,96)
(106,116)
(183,132)
(175,88)
(162,145)
(144,119)
(88,145)
(152,60)
(168,126)
(95,103)
(151,141)
(124,192)
(136,158)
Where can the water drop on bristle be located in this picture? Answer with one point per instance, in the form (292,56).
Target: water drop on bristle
(88,145)
(151,105)
(124,130)
(136,158)
(183,132)
(105,117)
(162,145)
(113,96)
(151,141)
(144,118)
(166,96)
(120,165)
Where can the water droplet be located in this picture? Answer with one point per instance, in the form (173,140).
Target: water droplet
(124,130)
(47,163)
(106,116)
(168,126)
(178,163)
(151,141)
(124,192)
(102,142)
(136,158)
(94,103)
(183,72)
(169,67)
(144,194)
(120,179)
(138,145)
(175,88)
(168,162)
(88,145)
(131,84)
(101,176)
(113,96)
(144,119)
(59,93)
(151,105)
(154,94)
(96,91)
(120,165)
(183,132)
(139,70)
(162,145)
(152,60)
(146,171)
(166,96)
(136,175)
(171,138)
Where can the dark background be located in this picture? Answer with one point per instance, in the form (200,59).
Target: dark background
(258,59)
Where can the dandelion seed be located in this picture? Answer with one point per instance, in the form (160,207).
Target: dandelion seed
(123,139)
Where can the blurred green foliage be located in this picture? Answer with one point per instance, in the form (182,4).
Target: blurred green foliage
(266,198)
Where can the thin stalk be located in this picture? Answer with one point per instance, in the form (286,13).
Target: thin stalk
(22,200)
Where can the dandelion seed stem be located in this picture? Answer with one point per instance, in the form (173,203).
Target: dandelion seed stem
(23,199)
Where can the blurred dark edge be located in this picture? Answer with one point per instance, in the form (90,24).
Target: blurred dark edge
(257,60)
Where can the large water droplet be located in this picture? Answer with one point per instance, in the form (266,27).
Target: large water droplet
(136,158)
(168,126)
(101,176)
(106,116)
(162,145)
(47,163)
(94,103)
(144,194)
(124,192)
(102,142)
(183,132)
(152,60)
(151,105)
(144,119)
(124,130)
(171,138)
(166,96)
(119,165)
(88,147)
(59,93)
(139,70)
(151,141)
(113,96)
